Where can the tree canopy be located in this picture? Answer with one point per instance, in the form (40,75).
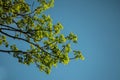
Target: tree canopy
(24,21)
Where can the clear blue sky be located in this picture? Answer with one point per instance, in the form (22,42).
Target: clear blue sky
(97,24)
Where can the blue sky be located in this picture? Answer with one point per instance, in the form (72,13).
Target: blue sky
(97,24)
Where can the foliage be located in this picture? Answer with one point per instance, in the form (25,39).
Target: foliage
(23,21)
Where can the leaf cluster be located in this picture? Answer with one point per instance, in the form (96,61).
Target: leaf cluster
(48,46)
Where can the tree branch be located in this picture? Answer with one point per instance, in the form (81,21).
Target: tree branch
(26,41)
(8,26)
(9,51)
(16,30)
